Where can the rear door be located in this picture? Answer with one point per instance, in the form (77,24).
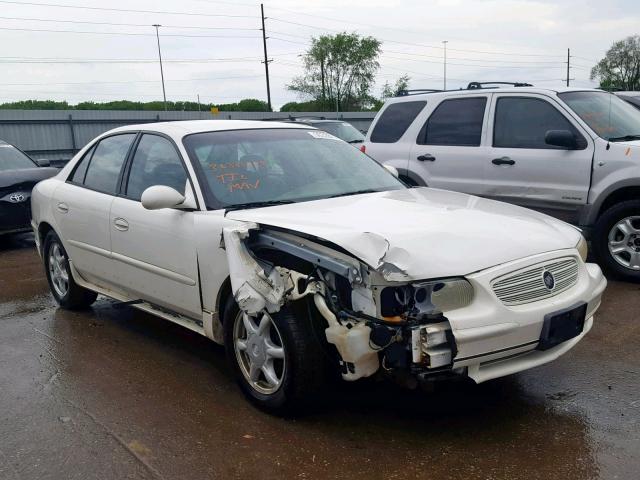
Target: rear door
(521,168)
(390,137)
(449,149)
(154,251)
(82,206)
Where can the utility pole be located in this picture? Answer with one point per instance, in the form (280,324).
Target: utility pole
(568,64)
(164,95)
(199,114)
(445,63)
(322,77)
(266,60)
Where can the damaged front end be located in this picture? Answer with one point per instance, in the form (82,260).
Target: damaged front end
(374,316)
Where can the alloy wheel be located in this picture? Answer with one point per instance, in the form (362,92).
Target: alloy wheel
(259,351)
(58,270)
(624,242)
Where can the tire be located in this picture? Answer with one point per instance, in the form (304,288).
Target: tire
(607,230)
(67,293)
(302,370)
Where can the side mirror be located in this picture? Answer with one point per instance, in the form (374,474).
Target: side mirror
(392,170)
(43,162)
(161,196)
(561,138)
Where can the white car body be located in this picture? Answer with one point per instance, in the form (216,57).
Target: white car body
(179,263)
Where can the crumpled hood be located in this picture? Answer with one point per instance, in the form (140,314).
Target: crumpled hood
(421,233)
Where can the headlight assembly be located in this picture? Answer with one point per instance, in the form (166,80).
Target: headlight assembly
(583,248)
(442,295)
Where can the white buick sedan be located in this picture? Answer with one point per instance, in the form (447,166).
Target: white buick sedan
(305,257)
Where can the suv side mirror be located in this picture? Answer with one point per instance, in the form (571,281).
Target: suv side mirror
(561,138)
(43,162)
(161,196)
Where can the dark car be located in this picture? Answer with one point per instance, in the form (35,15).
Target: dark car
(632,98)
(338,128)
(18,174)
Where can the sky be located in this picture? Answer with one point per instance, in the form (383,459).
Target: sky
(108,51)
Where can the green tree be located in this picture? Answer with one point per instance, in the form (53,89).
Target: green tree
(339,71)
(620,68)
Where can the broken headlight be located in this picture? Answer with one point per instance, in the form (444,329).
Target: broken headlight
(442,295)
(426,297)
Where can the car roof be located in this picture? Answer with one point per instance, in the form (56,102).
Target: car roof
(480,91)
(187,127)
(628,93)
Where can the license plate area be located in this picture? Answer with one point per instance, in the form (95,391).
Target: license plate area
(561,326)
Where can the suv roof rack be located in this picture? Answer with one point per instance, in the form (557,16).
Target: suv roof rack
(292,118)
(476,85)
(470,86)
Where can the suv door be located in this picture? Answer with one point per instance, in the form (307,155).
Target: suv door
(154,251)
(82,205)
(449,150)
(522,168)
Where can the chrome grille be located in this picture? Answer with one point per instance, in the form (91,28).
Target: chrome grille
(527,285)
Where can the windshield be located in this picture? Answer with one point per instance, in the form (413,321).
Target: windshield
(282,165)
(13,159)
(610,117)
(342,130)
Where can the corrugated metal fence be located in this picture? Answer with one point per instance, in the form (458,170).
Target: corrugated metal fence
(59,134)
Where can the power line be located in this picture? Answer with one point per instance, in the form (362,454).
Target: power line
(127,82)
(125,33)
(127,10)
(33,19)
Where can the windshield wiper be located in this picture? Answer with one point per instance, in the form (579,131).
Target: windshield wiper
(357,192)
(357,140)
(625,138)
(265,203)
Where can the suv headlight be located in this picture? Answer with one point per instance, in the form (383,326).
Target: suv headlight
(443,295)
(583,248)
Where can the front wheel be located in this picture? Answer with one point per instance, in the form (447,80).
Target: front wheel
(276,359)
(65,290)
(617,240)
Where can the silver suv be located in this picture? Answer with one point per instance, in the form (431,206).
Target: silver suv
(571,153)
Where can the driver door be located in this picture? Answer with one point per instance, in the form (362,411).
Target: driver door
(155,250)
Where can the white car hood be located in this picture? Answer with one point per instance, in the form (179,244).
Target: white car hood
(421,233)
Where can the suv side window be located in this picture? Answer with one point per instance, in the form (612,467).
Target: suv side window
(107,160)
(394,121)
(455,122)
(522,122)
(156,162)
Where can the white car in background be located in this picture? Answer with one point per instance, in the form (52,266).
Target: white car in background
(303,256)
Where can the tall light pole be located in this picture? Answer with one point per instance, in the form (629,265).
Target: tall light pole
(164,95)
(445,63)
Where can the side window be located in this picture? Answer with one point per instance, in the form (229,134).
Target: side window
(107,160)
(156,162)
(394,121)
(455,122)
(81,168)
(523,122)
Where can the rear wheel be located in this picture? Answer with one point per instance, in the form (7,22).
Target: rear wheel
(617,240)
(65,290)
(277,361)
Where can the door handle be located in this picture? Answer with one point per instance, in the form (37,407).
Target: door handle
(427,157)
(503,161)
(121,224)
(62,207)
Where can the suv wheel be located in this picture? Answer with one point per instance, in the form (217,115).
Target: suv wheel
(277,361)
(617,240)
(65,290)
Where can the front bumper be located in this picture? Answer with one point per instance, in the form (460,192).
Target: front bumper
(494,340)
(15,217)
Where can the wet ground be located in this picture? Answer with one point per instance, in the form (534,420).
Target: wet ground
(120,394)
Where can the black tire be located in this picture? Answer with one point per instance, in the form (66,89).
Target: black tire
(76,297)
(600,241)
(306,365)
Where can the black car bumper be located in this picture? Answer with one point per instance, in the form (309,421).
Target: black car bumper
(15,213)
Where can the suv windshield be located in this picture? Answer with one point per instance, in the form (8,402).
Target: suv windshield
(343,130)
(610,117)
(245,167)
(13,159)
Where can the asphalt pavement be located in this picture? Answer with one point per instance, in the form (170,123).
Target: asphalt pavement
(115,394)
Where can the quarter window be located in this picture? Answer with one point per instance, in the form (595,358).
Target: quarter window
(523,123)
(81,169)
(455,122)
(155,162)
(107,160)
(394,121)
